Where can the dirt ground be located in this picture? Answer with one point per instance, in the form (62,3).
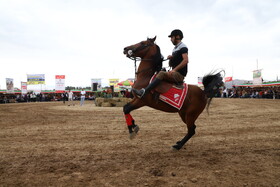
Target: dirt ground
(52,144)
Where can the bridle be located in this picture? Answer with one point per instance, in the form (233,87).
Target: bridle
(142,46)
(144,70)
(139,48)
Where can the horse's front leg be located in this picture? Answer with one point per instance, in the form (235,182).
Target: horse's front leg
(132,127)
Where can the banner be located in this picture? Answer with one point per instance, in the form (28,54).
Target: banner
(35,79)
(113,82)
(23,87)
(257,77)
(199,81)
(59,83)
(96,85)
(228,79)
(10,85)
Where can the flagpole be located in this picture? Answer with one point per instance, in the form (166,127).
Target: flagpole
(232,76)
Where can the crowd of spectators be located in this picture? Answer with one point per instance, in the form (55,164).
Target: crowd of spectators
(45,97)
(248,92)
(40,97)
(238,92)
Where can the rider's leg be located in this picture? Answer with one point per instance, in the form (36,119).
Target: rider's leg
(141,93)
(175,77)
(162,75)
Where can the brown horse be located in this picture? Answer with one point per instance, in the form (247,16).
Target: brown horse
(196,98)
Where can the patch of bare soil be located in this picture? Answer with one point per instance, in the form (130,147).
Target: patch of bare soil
(52,144)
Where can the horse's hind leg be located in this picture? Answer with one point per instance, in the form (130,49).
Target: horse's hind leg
(191,129)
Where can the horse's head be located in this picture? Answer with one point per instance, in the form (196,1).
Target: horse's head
(144,49)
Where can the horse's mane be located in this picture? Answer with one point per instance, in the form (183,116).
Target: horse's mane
(158,58)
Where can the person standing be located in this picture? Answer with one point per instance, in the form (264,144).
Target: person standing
(83,96)
(64,97)
(127,94)
(178,61)
(70,98)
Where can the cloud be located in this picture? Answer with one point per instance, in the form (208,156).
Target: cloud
(85,39)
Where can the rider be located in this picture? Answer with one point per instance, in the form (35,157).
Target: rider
(178,61)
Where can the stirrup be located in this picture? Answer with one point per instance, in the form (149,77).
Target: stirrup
(139,93)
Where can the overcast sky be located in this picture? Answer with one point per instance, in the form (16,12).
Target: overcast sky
(85,39)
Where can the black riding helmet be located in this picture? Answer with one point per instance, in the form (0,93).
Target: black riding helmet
(177,32)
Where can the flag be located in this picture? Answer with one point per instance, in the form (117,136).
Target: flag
(23,87)
(228,79)
(96,85)
(9,85)
(257,77)
(60,83)
(199,81)
(113,82)
(35,79)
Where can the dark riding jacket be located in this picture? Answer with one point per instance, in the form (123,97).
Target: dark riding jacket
(177,58)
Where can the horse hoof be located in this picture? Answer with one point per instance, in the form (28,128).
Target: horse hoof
(136,129)
(176,147)
(132,135)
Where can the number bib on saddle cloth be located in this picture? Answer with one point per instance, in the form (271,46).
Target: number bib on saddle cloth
(174,96)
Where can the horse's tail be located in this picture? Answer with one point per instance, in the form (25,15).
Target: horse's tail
(212,82)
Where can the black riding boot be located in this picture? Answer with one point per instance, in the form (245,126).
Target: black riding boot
(141,93)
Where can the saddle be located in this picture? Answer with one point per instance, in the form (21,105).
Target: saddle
(164,86)
(170,93)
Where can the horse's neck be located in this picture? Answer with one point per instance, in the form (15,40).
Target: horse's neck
(144,74)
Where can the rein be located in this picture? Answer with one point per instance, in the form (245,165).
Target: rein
(139,59)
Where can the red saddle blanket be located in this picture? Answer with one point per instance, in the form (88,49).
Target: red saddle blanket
(175,96)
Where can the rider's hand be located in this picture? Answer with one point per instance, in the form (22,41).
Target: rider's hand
(169,57)
(170,72)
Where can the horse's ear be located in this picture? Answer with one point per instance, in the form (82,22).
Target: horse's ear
(152,39)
